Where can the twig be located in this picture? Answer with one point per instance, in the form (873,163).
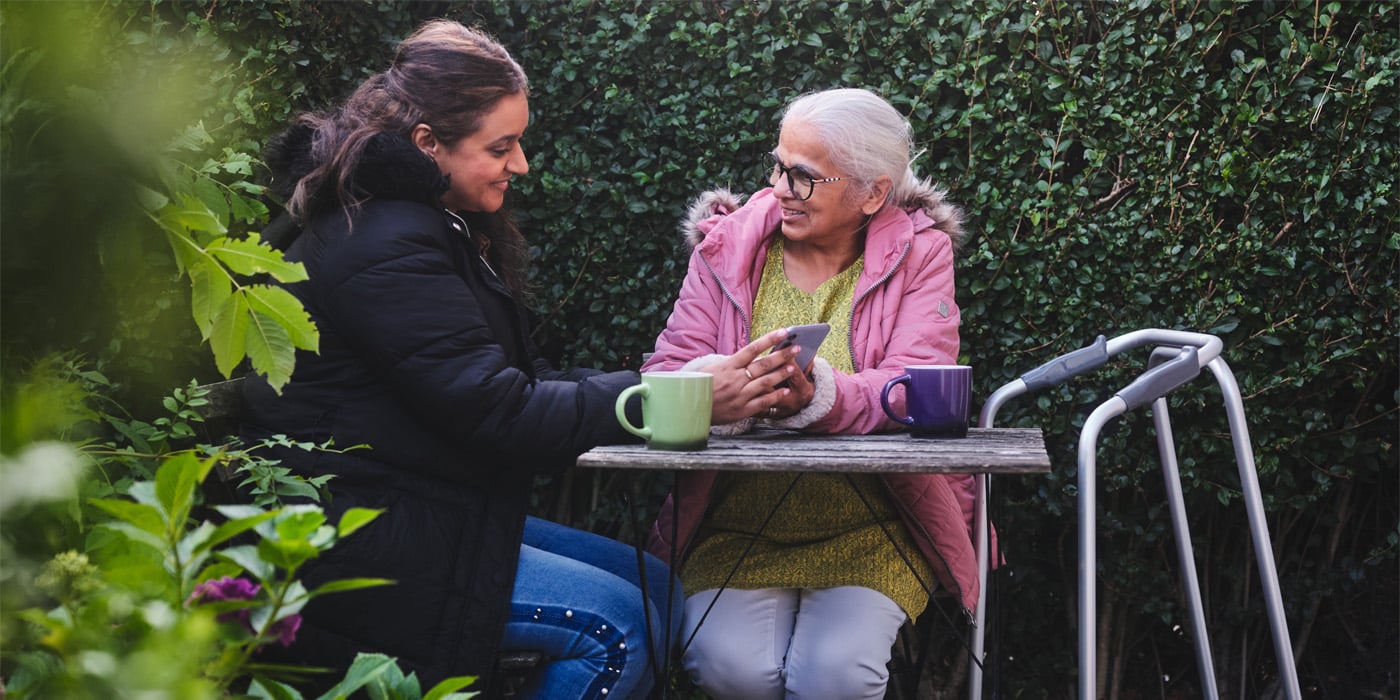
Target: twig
(1120,188)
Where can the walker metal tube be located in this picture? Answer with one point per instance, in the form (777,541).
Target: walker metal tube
(981,544)
(1258,526)
(1176,500)
(1004,393)
(1054,372)
(1088,545)
(1208,347)
(1149,387)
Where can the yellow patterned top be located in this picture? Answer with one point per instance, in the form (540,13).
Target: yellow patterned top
(828,529)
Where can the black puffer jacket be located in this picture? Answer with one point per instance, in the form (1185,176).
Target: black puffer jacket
(426,357)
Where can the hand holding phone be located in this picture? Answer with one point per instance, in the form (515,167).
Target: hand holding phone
(809,337)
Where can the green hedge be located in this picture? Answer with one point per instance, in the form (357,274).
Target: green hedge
(1219,167)
(1212,166)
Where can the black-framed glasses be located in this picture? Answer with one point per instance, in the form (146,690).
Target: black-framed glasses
(800,182)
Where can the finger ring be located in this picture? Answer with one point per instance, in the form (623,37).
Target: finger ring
(748,374)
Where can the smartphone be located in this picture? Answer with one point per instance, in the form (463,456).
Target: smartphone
(809,337)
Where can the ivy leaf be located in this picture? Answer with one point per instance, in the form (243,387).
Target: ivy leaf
(269,689)
(249,256)
(210,290)
(228,333)
(237,525)
(176,481)
(350,584)
(247,557)
(270,348)
(286,311)
(447,688)
(364,669)
(137,534)
(150,200)
(137,515)
(188,212)
(356,518)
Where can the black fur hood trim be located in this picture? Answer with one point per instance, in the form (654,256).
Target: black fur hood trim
(391,167)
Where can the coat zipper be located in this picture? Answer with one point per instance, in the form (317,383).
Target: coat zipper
(851,324)
(460,225)
(748,330)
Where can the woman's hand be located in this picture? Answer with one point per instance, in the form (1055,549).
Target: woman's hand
(747,385)
(799,393)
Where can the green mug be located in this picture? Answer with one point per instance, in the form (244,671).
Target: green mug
(675,410)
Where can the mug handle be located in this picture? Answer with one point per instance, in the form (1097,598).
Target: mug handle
(885,398)
(621,410)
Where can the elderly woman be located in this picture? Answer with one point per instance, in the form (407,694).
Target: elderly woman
(850,236)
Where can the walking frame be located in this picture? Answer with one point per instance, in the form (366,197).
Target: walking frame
(1176,359)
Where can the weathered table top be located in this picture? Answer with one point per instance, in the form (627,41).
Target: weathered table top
(983,451)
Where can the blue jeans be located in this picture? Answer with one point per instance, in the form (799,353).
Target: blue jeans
(578,599)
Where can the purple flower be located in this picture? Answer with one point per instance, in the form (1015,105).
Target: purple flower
(286,629)
(226,588)
(230,588)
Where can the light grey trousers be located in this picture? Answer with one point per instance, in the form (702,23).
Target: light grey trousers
(791,644)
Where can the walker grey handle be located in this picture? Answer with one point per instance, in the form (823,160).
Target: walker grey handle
(1160,380)
(1067,366)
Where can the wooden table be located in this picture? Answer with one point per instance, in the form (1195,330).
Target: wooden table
(983,451)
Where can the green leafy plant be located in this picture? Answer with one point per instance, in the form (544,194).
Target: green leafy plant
(160,600)
(125,447)
(146,170)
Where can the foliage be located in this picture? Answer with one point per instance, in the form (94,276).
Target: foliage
(94,138)
(1212,166)
(62,397)
(1219,167)
(158,593)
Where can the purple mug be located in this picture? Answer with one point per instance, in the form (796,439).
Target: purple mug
(936,397)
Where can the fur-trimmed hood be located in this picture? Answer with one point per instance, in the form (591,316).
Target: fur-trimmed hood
(947,217)
(391,167)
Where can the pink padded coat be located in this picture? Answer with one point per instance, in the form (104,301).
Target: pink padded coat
(903,314)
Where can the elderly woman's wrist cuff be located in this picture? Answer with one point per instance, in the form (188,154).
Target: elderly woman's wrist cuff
(823,400)
(702,362)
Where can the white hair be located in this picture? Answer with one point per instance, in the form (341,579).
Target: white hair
(865,137)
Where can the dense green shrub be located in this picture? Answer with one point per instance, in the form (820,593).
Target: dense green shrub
(1221,167)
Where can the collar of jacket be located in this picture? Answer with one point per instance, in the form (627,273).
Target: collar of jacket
(737,243)
(390,167)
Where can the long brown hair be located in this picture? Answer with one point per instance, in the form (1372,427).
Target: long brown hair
(445,75)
